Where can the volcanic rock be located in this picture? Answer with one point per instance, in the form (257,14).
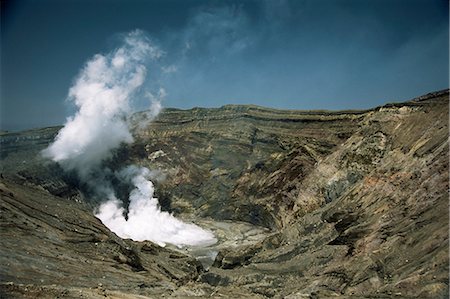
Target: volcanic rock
(305,204)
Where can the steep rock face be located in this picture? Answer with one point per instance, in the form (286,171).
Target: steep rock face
(53,247)
(372,218)
(230,163)
(357,204)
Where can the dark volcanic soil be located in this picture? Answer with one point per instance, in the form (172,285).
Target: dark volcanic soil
(317,204)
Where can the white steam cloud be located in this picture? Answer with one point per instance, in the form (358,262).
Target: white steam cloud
(145,219)
(103,94)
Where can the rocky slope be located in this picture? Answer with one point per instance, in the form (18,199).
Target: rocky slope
(215,159)
(352,204)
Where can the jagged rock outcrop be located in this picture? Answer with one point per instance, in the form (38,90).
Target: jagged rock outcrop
(356,203)
(371,220)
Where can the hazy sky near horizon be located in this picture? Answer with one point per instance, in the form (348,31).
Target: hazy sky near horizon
(298,54)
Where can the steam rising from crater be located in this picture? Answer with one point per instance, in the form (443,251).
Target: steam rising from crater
(145,220)
(103,94)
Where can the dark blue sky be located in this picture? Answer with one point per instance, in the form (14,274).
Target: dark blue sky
(312,54)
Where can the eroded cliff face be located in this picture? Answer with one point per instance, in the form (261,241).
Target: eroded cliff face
(351,204)
(238,162)
(371,219)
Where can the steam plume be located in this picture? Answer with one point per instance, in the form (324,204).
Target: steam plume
(103,94)
(145,219)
